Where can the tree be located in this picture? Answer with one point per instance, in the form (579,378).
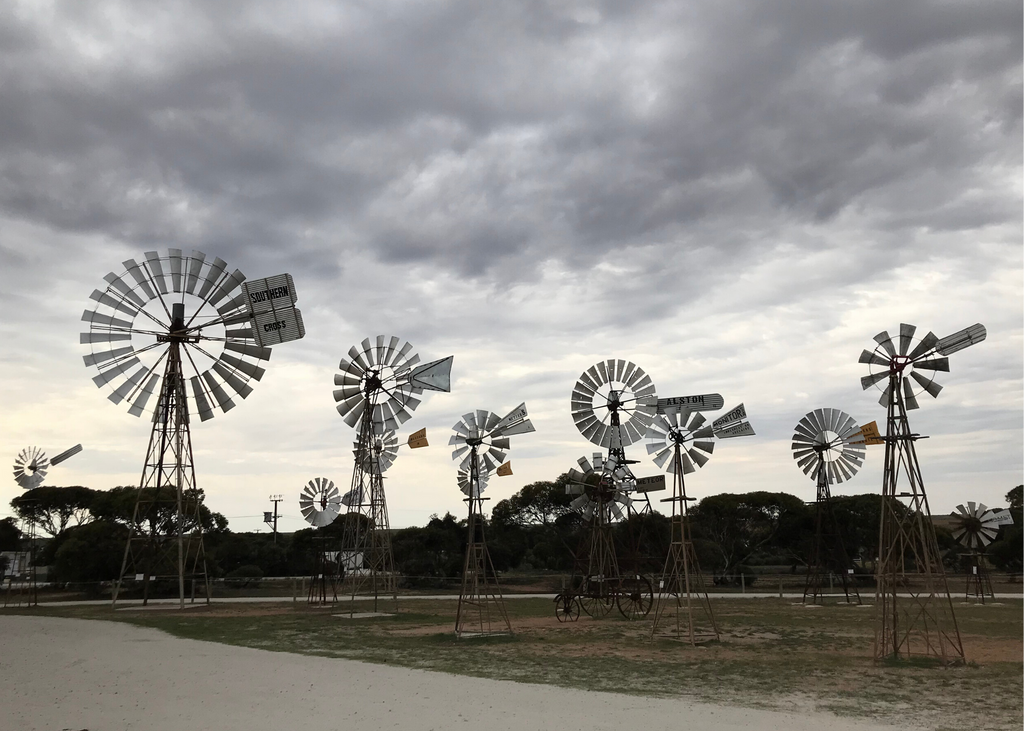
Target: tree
(118,505)
(1007,550)
(741,525)
(90,552)
(53,508)
(10,535)
(539,503)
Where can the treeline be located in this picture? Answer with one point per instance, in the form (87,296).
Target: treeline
(534,530)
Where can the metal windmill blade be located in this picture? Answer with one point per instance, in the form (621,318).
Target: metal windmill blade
(914,363)
(596,485)
(613,387)
(320,502)
(155,301)
(828,439)
(685,429)
(977,526)
(464,482)
(383,449)
(475,434)
(385,377)
(30,467)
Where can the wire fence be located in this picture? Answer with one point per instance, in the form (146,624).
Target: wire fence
(758,584)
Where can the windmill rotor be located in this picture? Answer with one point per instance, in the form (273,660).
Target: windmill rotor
(828,439)
(913,361)
(976,526)
(485,435)
(687,429)
(600,484)
(32,464)
(320,502)
(613,403)
(385,377)
(190,300)
(382,449)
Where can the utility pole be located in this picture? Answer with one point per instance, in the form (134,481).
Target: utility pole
(271,518)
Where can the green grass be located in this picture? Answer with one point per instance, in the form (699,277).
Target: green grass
(773,654)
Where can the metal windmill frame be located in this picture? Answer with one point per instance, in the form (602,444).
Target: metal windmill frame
(681,578)
(976,528)
(379,385)
(141,311)
(829,444)
(481,442)
(320,504)
(631,403)
(682,441)
(914,609)
(30,469)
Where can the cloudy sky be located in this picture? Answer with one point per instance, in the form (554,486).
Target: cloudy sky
(737,196)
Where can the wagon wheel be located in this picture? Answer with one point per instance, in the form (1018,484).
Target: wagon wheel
(636,597)
(567,608)
(595,598)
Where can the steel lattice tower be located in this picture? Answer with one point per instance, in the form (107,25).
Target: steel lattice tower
(914,609)
(366,539)
(682,580)
(160,546)
(481,609)
(828,554)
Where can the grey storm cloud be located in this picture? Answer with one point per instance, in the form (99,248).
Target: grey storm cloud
(736,195)
(487,137)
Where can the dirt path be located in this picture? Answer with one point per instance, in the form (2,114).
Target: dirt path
(78,674)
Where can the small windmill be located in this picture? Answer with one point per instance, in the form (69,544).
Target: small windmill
(378,388)
(975,528)
(30,468)
(481,442)
(682,441)
(914,617)
(828,446)
(320,504)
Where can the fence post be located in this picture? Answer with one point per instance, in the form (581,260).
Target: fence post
(743,583)
(780,587)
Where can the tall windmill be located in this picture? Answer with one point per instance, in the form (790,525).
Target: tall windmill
(975,527)
(914,609)
(612,404)
(320,504)
(30,468)
(379,385)
(481,442)
(829,447)
(174,336)
(682,441)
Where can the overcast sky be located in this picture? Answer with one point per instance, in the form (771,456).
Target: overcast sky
(737,196)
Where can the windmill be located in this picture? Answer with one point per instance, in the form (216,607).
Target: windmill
(681,441)
(914,609)
(481,442)
(975,527)
(829,447)
(379,385)
(320,504)
(176,336)
(612,404)
(30,468)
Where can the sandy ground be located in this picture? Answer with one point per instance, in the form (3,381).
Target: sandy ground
(76,674)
